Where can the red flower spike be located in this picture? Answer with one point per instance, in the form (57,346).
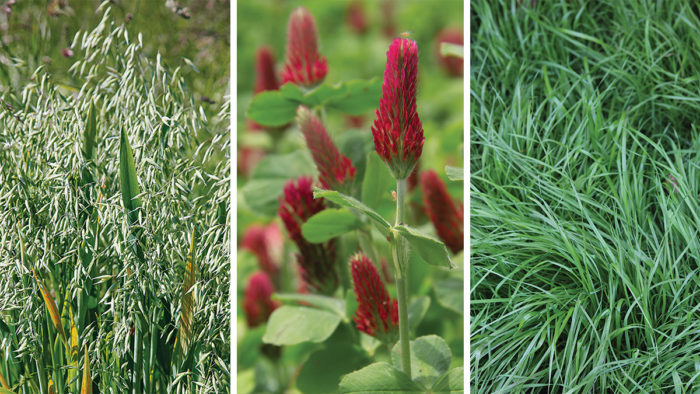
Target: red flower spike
(377,314)
(397,131)
(356,17)
(448,221)
(452,64)
(336,170)
(265,76)
(258,304)
(316,261)
(304,66)
(266,243)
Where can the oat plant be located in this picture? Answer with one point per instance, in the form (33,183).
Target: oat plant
(114,265)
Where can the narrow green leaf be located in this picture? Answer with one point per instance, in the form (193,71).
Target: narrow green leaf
(329,224)
(130,190)
(379,377)
(351,202)
(451,382)
(290,325)
(431,250)
(90,133)
(430,358)
(271,108)
(187,301)
(454,173)
(324,302)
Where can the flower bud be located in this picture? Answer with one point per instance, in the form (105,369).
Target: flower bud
(304,66)
(397,131)
(316,261)
(258,304)
(377,314)
(447,219)
(356,17)
(265,76)
(265,242)
(335,169)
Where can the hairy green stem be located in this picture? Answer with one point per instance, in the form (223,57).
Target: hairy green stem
(400,253)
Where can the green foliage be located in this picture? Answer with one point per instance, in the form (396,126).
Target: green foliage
(430,249)
(379,377)
(430,359)
(84,175)
(328,224)
(323,341)
(290,325)
(584,196)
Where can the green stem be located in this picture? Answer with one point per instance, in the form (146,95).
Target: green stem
(42,376)
(400,253)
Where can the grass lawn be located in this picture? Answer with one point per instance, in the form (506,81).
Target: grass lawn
(585,196)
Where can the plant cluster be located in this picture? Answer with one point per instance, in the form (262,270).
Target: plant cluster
(585,197)
(338,312)
(115,262)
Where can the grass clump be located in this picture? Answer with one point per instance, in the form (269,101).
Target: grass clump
(62,206)
(585,197)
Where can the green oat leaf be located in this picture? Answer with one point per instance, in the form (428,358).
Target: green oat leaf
(379,378)
(290,325)
(130,191)
(184,336)
(90,133)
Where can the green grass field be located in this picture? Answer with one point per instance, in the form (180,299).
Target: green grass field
(585,196)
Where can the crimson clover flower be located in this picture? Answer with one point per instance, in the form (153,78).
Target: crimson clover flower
(452,64)
(304,66)
(316,261)
(356,17)
(265,76)
(265,242)
(258,304)
(336,170)
(447,219)
(377,314)
(397,131)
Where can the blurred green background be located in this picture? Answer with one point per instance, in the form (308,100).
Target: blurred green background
(192,34)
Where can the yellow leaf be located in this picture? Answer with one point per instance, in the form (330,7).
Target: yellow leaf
(51,306)
(185,333)
(86,387)
(4,382)
(73,338)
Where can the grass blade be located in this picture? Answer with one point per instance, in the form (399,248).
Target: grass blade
(86,387)
(185,333)
(90,133)
(130,190)
(51,306)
